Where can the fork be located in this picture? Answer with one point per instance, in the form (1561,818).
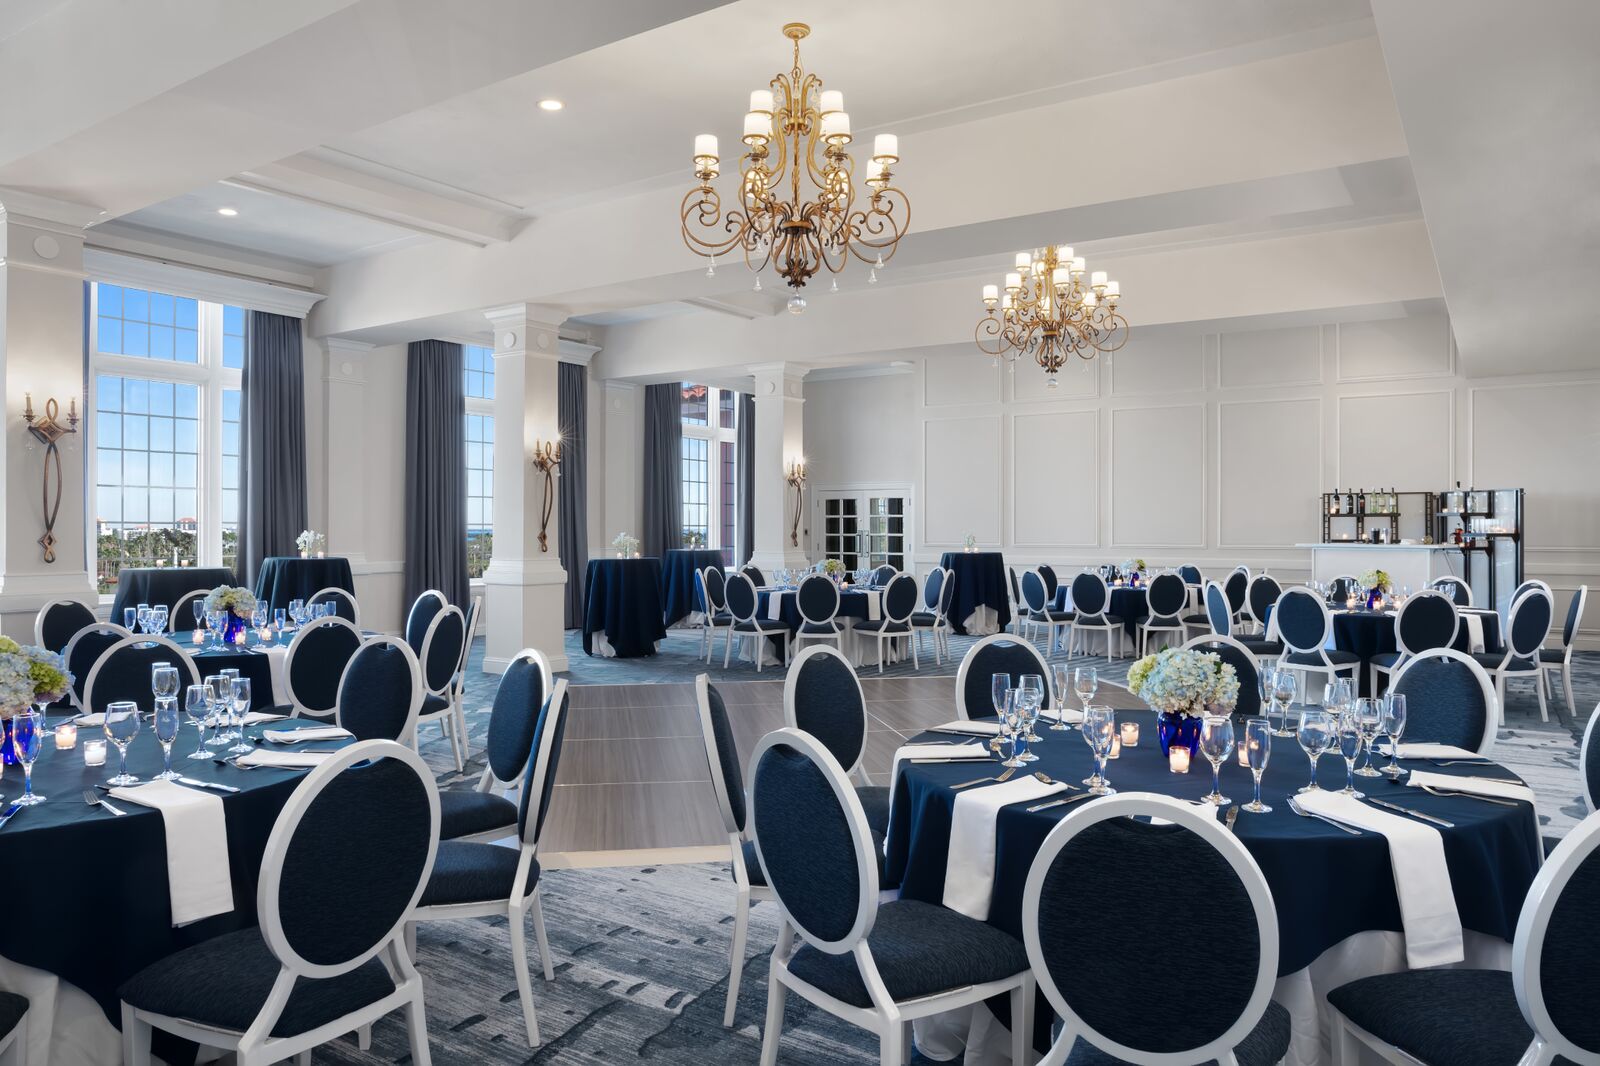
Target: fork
(1004,776)
(1434,790)
(1294,805)
(95,801)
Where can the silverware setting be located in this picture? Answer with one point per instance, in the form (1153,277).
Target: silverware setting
(9,813)
(1062,802)
(1004,776)
(93,800)
(1294,805)
(197,783)
(1434,790)
(1231,817)
(1046,779)
(1415,814)
(950,758)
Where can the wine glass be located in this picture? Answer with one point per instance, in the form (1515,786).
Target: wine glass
(221,688)
(1010,735)
(258,621)
(1258,736)
(121,726)
(280,619)
(1216,744)
(1085,682)
(1349,735)
(198,606)
(297,609)
(1096,779)
(1062,677)
(197,705)
(1026,705)
(239,703)
(1032,686)
(1369,718)
(167,725)
(214,629)
(1265,678)
(999,687)
(1099,726)
(159,615)
(130,618)
(1394,726)
(1285,686)
(1315,736)
(27,740)
(142,616)
(164,680)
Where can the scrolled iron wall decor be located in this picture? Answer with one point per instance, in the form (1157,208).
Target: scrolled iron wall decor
(49,431)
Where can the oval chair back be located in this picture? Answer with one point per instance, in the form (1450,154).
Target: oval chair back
(932,588)
(1245,666)
(1303,620)
(1569,628)
(1552,954)
(1342,587)
(380,692)
(818,599)
(1048,573)
(123,672)
(1260,596)
(1589,760)
(347,860)
(1528,625)
(741,597)
(1237,587)
(722,754)
(1191,575)
(1533,583)
(757,578)
(883,575)
(822,696)
(1459,591)
(1449,700)
(1034,595)
(1016,589)
(1132,965)
(533,806)
(84,649)
(420,617)
(344,604)
(1000,653)
(1217,610)
(58,621)
(518,701)
(1165,599)
(180,616)
(474,617)
(1090,596)
(442,645)
(715,589)
(315,662)
(900,598)
(1427,620)
(810,831)
(947,595)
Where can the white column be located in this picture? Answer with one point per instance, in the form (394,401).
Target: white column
(780,442)
(41,352)
(525,586)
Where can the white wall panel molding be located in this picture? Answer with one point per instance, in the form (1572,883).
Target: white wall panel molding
(1262,447)
(1158,458)
(1048,500)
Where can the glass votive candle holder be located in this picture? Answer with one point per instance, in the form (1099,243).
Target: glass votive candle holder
(1116,747)
(1244,756)
(1129,734)
(1178,760)
(94,753)
(199,636)
(66,736)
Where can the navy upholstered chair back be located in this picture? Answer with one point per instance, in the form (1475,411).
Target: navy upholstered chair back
(1191,575)
(900,598)
(58,622)
(85,649)
(315,662)
(883,574)
(727,780)
(1237,586)
(1459,591)
(1034,596)
(1217,610)
(1089,595)
(1302,619)
(932,588)
(380,691)
(811,836)
(1261,594)
(757,578)
(348,858)
(1341,588)
(822,696)
(1425,621)
(947,595)
(123,672)
(1554,949)
(420,617)
(1048,574)
(1245,666)
(990,656)
(344,604)
(1569,628)
(742,597)
(1589,758)
(818,598)
(538,786)
(180,614)
(1529,623)
(440,657)
(1108,1004)
(515,715)
(1531,583)
(1449,700)
(716,583)
(1166,598)
(1016,589)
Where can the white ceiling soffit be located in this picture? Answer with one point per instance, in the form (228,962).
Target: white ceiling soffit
(1498,102)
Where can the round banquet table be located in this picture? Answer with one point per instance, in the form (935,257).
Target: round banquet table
(622,608)
(1327,885)
(1128,604)
(680,593)
(1369,633)
(98,903)
(862,602)
(981,603)
(288,577)
(163,585)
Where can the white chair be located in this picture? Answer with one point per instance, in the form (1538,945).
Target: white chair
(1425,621)
(1237,587)
(1449,700)
(1040,614)
(82,651)
(817,599)
(1559,660)
(899,601)
(1305,625)
(344,604)
(1166,600)
(13,1030)
(870,965)
(123,672)
(1246,666)
(420,616)
(485,813)
(743,605)
(1343,587)
(1527,626)
(994,654)
(458,685)
(711,584)
(439,660)
(1457,589)
(1091,606)
(180,618)
(937,593)
(380,692)
(314,665)
(58,621)
(1589,762)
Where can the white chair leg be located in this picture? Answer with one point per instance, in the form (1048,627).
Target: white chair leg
(1539,684)
(741,920)
(1022,1022)
(535,906)
(890,1043)
(364,1038)
(1346,1047)
(303,1059)
(135,1039)
(1500,693)
(1566,685)
(411,940)
(416,1031)
(519,963)
(727,648)
(916,660)
(777,994)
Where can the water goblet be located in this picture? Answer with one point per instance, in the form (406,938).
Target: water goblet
(198,606)
(142,617)
(1032,686)
(1216,744)
(1394,726)
(167,725)
(197,705)
(240,705)
(1369,718)
(1085,682)
(1266,677)
(1285,685)
(164,680)
(258,621)
(280,619)
(1096,779)
(221,694)
(121,726)
(1010,736)
(1258,736)
(297,611)
(1100,726)
(1061,675)
(27,740)
(1026,705)
(160,614)
(1315,736)
(130,618)
(1349,736)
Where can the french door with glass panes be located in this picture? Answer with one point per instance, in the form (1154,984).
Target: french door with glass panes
(865,530)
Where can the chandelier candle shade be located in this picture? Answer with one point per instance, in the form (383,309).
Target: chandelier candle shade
(1051,308)
(797,134)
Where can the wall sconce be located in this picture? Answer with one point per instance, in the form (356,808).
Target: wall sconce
(797,478)
(48,431)
(547,459)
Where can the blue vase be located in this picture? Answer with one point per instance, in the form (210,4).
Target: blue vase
(8,756)
(232,628)
(1173,729)
(1374,598)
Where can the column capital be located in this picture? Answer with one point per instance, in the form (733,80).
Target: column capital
(779,379)
(524,326)
(45,212)
(347,360)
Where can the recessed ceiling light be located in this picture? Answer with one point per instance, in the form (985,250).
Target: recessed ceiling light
(229,212)
(551,105)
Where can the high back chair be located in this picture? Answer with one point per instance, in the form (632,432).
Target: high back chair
(1048,573)
(1260,596)
(58,621)
(1559,660)
(899,601)
(757,578)
(345,864)
(1019,610)
(123,673)
(380,692)
(1125,839)
(1449,700)
(484,813)
(1589,762)
(1459,591)
(421,615)
(935,621)
(180,618)
(878,967)
(1527,626)
(344,604)
(1166,600)
(314,665)
(1305,625)
(1091,606)
(995,654)
(1426,620)
(1040,614)
(743,605)
(711,585)
(1342,588)
(84,649)
(822,696)
(1245,665)
(440,662)
(818,601)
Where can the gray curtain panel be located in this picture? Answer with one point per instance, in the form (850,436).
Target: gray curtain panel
(573,485)
(744,462)
(272,441)
(436,473)
(663,469)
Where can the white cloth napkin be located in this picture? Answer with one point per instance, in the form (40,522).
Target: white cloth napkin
(1067,714)
(874,605)
(1480,786)
(1433,751)
(1428,912)
(277,656)
(1474,624)
(285,760)
(987,726)
(197,847)
(257,717)
(94,719)
(304,733)
(937,751)
(969,868)
(774,605)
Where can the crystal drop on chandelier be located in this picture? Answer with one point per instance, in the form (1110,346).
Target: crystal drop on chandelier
(1050,382)
(797,303)
(711,270)
(872,278)
(835,286)
(758,284)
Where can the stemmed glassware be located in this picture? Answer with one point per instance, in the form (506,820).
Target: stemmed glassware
(164,680)
(1085,682)
(1011,730)
(1032,687)
(1285,686)
(219,693)
(167,725)
(239,704)
(197,705)
(121,726)
(130,619)
(1336,695)
(141,618)
(258,621)
(1265,679)
(1099,726)
(1258,736)
(27,739)
(1316,737)
(214,629)
(999,686)
(1216,744)
(280,621)
(1369,718)
(1394,726)
(198,606)
(1350,745)
(1062,675)
(159,615)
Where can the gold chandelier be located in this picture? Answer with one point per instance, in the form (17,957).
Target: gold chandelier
(1050,312)
(808,130)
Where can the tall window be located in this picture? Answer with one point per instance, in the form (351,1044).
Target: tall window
(709,426)
(478,368)
(164,375)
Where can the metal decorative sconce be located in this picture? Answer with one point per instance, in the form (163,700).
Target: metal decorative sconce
(547,459)
(48,431)
(797,478)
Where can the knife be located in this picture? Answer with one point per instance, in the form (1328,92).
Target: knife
(1415,814)
(218,785)
(9,813)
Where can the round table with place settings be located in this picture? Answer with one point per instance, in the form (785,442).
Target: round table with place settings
(981,602)
(1368,633)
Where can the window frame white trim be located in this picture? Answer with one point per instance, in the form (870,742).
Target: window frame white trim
(714,435)
(479,405)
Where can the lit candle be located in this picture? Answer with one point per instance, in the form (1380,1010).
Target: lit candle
(1178,760)
(1244,756)
(1116,747)
(761,100)
(199,636)
(66,736)
(886,146)
(705,145)
(94,753)
(1130,734)
(322,554)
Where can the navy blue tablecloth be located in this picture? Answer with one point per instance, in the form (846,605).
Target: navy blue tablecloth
(1326,884)
(622,599)
(164,586)
(1369,633)
(853,603)
(1128,604)
(980,579)
(288,577)
(680,594)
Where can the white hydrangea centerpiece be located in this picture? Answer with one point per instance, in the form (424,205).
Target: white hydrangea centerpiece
(1184,682)
(239,602)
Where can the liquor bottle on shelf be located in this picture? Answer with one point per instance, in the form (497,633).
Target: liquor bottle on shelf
(1361,502)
